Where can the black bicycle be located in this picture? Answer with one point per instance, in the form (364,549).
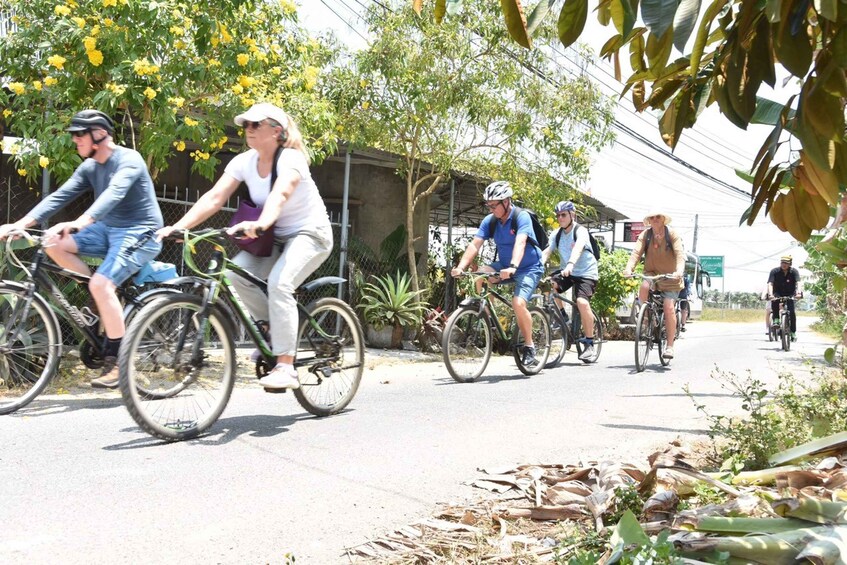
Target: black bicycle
(781,330)
(474,330)
(567,330)
(30,335)
(650,328)
(182,348)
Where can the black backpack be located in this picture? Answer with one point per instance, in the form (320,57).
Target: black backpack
(648,239)
(540,240)
(595,245)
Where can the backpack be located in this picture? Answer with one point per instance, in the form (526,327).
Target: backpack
(648,239)
(540,240)
(595,245)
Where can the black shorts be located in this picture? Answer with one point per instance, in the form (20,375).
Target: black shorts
(683,305)
(584,287)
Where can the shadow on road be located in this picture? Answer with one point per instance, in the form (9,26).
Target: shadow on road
(492,380)
(654,429)
(51,406)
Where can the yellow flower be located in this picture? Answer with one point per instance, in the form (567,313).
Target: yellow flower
(246,81)
(17,87)
(95,31)
(50,81)
(79,21)
(246,101)
(213,63)
(95,57)
(222,141)
(276,71)
(61,10)
(225,36)
(108,22)
(22,172)
(180,145)
(215,41)
(90,43)
(107,3)
(6,113)
(177,101)
(339,128)
(366,105)
(237,89)
(243,59)
(176,30)
(43,161)
(36,84)
(311,74)
(149,93)
(190,122)
(363,83)
(57,61)
(288,7)
(115,88)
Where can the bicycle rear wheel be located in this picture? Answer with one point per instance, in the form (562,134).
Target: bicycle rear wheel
(170,395)
(558,337)
(30,345)
(330,357)
(598,340)
(540,339)
(643,336)
(785,331)
(466,345)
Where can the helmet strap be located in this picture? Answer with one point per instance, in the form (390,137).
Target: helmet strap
(95,144)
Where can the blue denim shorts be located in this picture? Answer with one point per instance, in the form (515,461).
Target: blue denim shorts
(113,246)
(525,283)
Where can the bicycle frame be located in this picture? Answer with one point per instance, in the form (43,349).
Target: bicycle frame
(486,308)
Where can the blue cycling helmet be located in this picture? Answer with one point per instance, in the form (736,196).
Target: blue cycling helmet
(565,206)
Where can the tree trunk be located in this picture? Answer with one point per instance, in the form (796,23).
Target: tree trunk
(410,233)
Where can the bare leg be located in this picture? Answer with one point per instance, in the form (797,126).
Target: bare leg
(111,313)
(64,253)
(587,317)
(524,319)
(670,320)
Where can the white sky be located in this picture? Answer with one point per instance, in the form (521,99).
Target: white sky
(632,183)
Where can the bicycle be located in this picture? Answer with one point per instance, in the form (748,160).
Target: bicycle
(781,330)
(567,330)
(473,331)
(650,324)
(31,338)
(182,347)
(681,304)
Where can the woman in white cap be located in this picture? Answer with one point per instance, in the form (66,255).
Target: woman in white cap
(663,254)
(292,207)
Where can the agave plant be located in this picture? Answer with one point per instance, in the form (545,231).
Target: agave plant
(390,301)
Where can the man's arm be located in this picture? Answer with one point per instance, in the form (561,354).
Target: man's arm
(580,242)
(468,256)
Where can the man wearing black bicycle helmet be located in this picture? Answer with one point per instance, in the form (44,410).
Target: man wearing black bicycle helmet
(118,227)
(784,281)
(515,246)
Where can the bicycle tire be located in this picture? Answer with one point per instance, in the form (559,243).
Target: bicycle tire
(466,345)
(643,336)
(330,370)
(598,340)
(785,330)
(558,337)
(188,399)
(540,339)
(29,363)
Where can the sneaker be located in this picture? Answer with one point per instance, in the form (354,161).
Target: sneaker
(668,353)
(587,353)
(793,336)
(281,377)
(109,376)
(682,329)
(529,359)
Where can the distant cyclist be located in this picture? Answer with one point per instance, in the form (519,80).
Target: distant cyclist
(784,281)
(515,246)
(579,268)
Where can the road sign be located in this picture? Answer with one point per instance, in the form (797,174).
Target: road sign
(712,264)
(631,231)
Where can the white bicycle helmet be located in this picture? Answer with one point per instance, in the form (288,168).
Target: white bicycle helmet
(498,190)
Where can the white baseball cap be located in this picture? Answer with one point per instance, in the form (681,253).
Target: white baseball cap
(262,111)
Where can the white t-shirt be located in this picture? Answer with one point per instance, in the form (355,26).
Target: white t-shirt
(303,211)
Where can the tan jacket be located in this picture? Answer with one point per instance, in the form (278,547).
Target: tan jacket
(660,260)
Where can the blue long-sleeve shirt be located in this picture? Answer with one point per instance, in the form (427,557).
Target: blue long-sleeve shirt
(124,195)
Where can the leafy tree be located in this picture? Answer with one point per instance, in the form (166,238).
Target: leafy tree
(174,73)
(458,96)
(736,48)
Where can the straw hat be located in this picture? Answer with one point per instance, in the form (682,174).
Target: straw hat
(654,212)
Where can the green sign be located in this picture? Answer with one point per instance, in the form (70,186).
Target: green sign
(712,264)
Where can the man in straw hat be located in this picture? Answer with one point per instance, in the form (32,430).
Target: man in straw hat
(663,254)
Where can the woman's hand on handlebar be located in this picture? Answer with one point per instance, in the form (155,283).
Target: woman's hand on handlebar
(247,230)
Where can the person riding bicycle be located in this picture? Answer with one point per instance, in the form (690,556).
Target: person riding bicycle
(524,264)
(578,269)
(784,281)
(293,208)
(663,254)
(117,227)
(684,306)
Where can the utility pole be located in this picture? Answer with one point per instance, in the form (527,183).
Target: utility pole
(694,245)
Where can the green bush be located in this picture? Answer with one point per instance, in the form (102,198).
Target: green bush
(612,288)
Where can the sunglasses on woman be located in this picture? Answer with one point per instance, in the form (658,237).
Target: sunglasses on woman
(253,125)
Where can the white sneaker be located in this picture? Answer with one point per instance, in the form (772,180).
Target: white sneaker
(668,353)
(281,377)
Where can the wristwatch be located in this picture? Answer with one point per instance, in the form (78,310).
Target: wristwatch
(512,266)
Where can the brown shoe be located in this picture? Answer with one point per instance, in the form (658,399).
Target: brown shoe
(109,377)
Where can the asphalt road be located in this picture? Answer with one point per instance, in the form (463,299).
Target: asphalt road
(81,483)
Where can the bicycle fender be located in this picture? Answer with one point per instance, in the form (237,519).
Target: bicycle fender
(312,285)
(185,281)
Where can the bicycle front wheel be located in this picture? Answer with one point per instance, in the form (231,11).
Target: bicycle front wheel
(558,337)
(330,357)
(540,339)
(598,340)
(643,336)
(177,367)
(466,345)
(786,333)
(30,345)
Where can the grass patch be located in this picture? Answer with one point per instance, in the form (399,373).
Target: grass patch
(737,316)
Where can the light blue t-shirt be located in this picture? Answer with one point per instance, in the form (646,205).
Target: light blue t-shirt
(585,267)
(504,239)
